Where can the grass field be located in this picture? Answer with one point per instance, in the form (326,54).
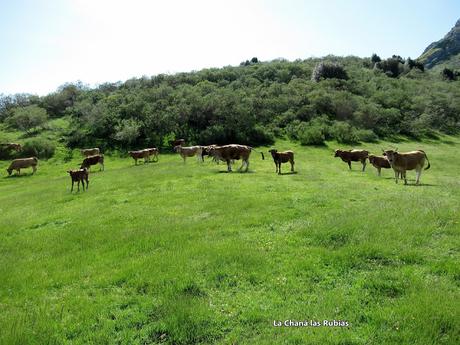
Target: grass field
(184,254)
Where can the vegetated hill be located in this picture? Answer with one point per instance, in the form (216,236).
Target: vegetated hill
(348,99)
(445,52)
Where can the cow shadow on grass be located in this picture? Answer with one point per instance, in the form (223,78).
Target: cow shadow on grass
(289,173)
(23,175)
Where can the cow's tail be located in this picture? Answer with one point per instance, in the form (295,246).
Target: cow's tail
(427,161)
(252,149)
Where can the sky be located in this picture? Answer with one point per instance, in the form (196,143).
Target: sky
(46,43)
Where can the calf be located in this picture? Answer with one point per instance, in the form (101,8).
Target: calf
(190,151)
(22,163)
(401,162)
(90,152)
(379,162)
(93,160)
(353,156)
(282,157)
(77,176)
(139,155)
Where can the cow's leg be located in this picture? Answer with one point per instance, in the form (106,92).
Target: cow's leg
(19,172)
(417,174)
(78,185)
(396,176)
(364,164)
(247,165)
(279,168)
(349,165)
(404,176)
(34,169)
(229,166)
(71,189)
(292,166)
(379,169)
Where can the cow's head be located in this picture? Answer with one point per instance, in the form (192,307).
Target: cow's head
(337,153)
(371,158)
(9,171)
(273,151)
(177,148)
(391,155)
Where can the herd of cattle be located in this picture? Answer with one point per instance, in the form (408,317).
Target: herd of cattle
(399,162)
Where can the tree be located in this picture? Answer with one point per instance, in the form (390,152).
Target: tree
(27,118)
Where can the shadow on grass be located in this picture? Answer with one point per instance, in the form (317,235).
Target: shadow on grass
(19,176)
(289,173)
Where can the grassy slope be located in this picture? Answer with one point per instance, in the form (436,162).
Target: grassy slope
(186,254)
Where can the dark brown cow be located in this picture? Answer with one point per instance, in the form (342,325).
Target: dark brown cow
(282,157)
(403,161)
(22,163)
(79,175)
(177,142)
(353,156)
(229,152)
(379,162)
(93,160)
(139,155)
(12,146)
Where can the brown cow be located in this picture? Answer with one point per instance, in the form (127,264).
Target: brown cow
(403,161)
(22,163)
(379,162)
(139,155)
(77,176)
(153,151)
(282,157)
(93,160)
(353,156)
(190,151)
(177,142)
(12,146)
(233,151)
(90,152)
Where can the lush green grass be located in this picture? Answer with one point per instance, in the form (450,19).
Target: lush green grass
(182,254)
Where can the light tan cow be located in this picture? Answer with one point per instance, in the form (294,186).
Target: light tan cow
(22,163)
(90,152)
(190,151)
(282,157)
(403,161)
(139,155)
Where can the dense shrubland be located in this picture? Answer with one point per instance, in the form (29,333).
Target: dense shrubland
(348,99)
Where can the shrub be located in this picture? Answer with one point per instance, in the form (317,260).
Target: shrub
(344,133)
(325,70)
(38,147)
(312,135)
(27,118)
(366,135)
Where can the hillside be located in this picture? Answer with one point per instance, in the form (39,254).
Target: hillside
(445,52)
(348,99)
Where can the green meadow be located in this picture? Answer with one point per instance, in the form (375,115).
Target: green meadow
(173,253)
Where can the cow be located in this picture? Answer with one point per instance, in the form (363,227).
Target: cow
(190,151)
(177,142)
(233,151)
(353,156)
(79,175)
(403,161)
(282,157)
(93,160)
(139,155)
(22,163)
(12,146)
(90,152)
(153,151)
(379,162)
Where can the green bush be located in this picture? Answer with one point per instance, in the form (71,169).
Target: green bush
(312,135)
(344,133)
(38,147)
(27,118)
(366,135)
